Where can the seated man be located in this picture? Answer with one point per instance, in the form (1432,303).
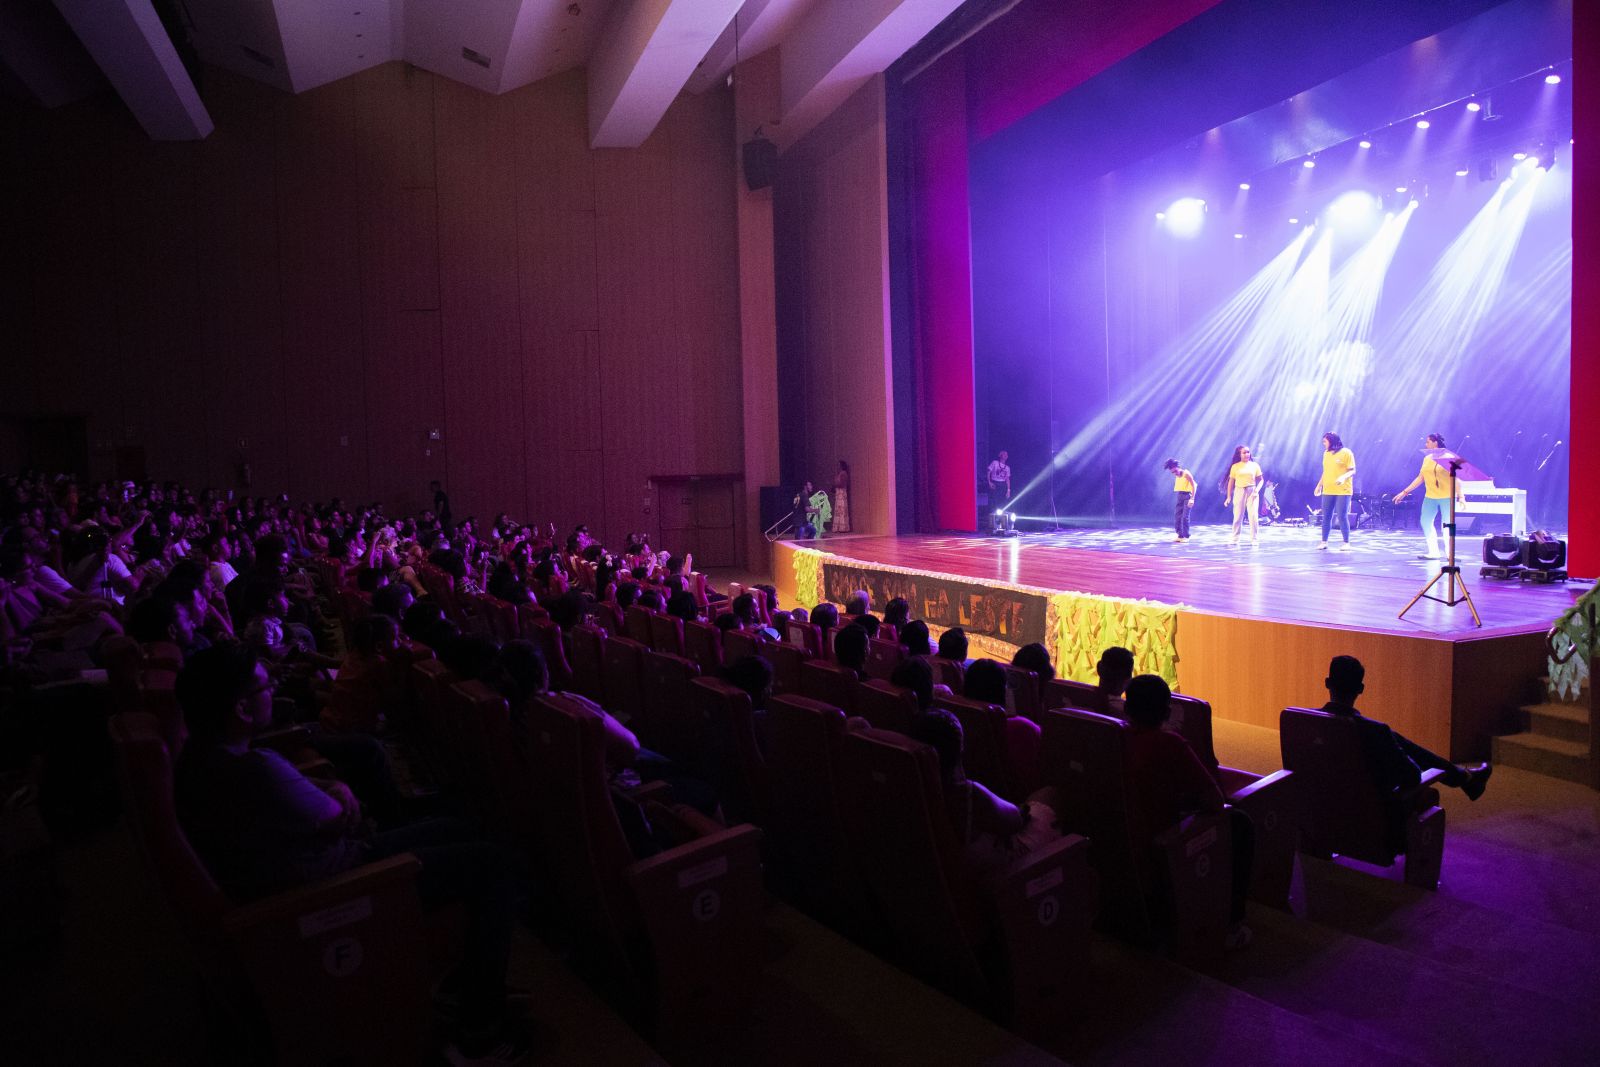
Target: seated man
(1395,760)
(986,681)
(261,827)
(1167,781)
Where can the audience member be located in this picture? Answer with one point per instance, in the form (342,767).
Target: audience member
(850,650)
(1396,760)
(914,636)
(1034,657)
(1114,669)
(986,681)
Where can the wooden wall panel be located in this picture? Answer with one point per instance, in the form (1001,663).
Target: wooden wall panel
(242,381)
(319,249)
(478,299)
(382,257)
(833,242)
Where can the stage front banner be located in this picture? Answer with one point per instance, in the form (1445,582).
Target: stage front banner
(1009,615)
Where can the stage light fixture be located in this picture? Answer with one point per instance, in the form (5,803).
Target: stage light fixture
(1502,556)
(1399,188)
(1474,106)
(1462,172)
(1160,215)
(1366,144)
(1308,164)
(1423,124)
(1354,209)
(1245,186)
(1238,237)
(1185,217)
(1519,156)
(1544,558)
(1294,222)
(1552,78)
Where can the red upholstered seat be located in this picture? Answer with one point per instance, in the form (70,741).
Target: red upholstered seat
(787,662)
(1065,693)
(984,729)
(667,723)
(829,683)
(702,643)
(681,931)
(1023,693)
(1174,889)
(883,656)
(737,644)
(552,642)
(731,756)
(337,969)
(623,659)
(948,672)
(803,635)
(587,645)
(1342,808)
(666,634)
(607,615)
(636,624)
(1031,923)
(885,705)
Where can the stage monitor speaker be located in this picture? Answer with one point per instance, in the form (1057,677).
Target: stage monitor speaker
(760,162)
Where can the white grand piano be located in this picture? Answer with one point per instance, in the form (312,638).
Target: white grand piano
(1486,498)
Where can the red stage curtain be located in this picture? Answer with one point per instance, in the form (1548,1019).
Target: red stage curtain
(1583,509)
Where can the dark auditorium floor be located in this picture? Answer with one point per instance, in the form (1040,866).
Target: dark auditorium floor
(1496,967)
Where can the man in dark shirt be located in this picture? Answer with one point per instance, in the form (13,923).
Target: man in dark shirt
(260,826)
(1395,760)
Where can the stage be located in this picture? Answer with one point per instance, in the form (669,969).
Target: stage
(1256,626)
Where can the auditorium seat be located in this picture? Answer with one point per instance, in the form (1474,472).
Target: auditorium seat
(737,644)
(1343,809)
(552,642)
(702,643)
(1270,800)
(786,661)
(636,624)
(802,635)
(983,727)
(731,757)
(811,851)
(948,672)
(1022,693)
(667,722)
(829,683)
(442,588)
(1175,890)
(623,659)
(666,633)
(336,970)
(883,656)
(886,706)
(503,622)
(494,777)
(432,681)
(607,615)
(587,645)
(677,935)
(1065,693)
(1016,947)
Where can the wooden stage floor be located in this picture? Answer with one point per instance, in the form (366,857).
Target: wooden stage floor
(1286,578)
(1258,625)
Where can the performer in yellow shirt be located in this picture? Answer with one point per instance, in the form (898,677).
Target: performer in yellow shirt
(1183,488)
(1336,486)
(1242,490)
(1436,499)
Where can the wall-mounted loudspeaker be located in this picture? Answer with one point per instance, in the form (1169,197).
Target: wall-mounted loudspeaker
(760,162)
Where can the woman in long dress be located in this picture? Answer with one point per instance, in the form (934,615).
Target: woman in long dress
(841,499)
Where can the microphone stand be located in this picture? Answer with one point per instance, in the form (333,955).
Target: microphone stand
(1449,570)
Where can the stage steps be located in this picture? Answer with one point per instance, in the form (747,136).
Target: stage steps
(1555,740)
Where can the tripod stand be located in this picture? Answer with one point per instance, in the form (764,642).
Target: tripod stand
(1450,573)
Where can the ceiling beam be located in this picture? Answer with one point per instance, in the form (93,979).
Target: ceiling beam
(132,48)
(43,55)
(838,46)
(646,55)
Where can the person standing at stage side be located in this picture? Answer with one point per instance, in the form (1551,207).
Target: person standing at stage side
(1435,499)
(1183,488)
(1242,491)
(1336,486)
(999,476)
(841,499)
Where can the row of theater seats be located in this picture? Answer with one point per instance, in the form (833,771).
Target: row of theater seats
(848,824)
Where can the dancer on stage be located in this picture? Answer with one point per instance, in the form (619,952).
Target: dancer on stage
(1183,488)
(1241,490)
(1435,500)
(1336,486)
